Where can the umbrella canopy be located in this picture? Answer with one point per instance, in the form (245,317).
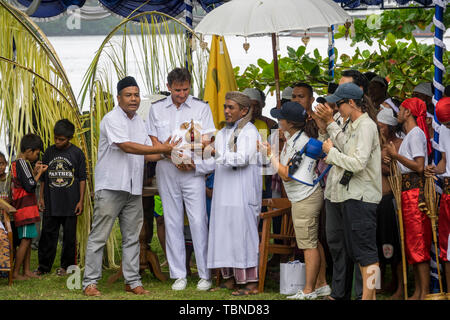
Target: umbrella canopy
(254,17)
(250,17)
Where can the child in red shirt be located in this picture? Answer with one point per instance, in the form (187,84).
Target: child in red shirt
(24,181)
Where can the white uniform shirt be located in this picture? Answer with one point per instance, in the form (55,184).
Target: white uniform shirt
(296,191)
(444,146)
(115,169)
(413,145)
(165,118)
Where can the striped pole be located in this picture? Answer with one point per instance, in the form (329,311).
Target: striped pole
(439,70)
(188,15)
(331,51)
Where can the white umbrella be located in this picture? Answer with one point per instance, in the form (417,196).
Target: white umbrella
(254,17)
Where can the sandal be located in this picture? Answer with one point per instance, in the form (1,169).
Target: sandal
(61,272)
(222,286)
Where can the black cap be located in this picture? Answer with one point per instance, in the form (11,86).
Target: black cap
(126,82)
(347,90)
(292,111)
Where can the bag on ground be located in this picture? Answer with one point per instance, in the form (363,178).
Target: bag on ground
(292,277)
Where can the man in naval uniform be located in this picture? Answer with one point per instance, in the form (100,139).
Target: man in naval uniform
(181,185)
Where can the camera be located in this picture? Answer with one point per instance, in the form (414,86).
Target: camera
(321,100)
(346,177)
(294,164)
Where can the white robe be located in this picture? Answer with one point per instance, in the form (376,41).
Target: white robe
(236,202)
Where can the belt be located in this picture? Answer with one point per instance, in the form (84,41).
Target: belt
(412,180)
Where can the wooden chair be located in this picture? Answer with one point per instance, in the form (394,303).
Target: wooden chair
(276,207)
(5,210)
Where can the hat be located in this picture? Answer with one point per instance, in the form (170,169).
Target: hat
(126,82)
(238,97)
(287,93)
(424,88)
(380,80)
(347,90)
(386,116)
(254,94)
(292,111)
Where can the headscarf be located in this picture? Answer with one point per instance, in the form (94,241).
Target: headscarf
(244,101)
(418,109)
(386,116)
(443,110)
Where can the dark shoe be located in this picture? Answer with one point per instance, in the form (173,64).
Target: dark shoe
(92,291)
(138,290)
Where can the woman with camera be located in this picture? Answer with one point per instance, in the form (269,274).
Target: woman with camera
(353,188)
(306,200)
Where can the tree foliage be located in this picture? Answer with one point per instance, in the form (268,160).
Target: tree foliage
(400,57)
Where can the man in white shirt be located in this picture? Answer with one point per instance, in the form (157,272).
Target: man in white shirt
(118,187)
(412,157)
(182,185)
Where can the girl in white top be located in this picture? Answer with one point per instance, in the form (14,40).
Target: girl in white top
(306,200)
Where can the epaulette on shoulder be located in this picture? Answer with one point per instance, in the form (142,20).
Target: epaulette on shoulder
(197,99)
(159,100)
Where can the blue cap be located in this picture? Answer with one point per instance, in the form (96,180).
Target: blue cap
(292,111)
(347,90)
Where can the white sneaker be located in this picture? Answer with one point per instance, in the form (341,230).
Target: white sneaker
(204,285)
(323,291)
(179,284)
(303,296)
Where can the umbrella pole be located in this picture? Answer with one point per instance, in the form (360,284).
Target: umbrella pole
(275,66)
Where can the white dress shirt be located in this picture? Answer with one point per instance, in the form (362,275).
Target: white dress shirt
(116,169)
(165,119)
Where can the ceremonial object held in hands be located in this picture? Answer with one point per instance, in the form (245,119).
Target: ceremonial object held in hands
(395,180)
(432,212)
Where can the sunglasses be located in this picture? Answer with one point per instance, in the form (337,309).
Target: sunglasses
(339,103)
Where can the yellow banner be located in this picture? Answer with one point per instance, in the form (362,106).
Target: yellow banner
(219,79)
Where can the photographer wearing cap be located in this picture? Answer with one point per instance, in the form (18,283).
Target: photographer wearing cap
(353,188)
(306,200)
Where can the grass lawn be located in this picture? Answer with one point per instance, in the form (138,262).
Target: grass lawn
(54,287)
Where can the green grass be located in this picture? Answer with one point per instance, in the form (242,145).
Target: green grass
(53,287)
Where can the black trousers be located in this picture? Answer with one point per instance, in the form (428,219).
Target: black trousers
(343,264)
(49,242)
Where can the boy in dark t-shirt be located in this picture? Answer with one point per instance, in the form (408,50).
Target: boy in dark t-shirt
(61,198)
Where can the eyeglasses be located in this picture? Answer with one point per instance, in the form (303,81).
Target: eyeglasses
(339,103)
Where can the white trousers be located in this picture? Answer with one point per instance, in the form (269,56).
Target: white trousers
(175,188)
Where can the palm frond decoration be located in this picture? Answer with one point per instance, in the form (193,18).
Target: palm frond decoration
(35,93)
